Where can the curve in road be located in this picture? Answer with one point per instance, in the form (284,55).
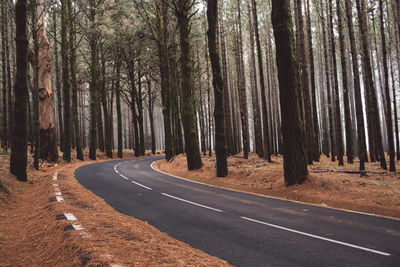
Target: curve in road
(243,229)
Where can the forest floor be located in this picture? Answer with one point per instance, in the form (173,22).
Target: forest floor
(34,232)
(377,193)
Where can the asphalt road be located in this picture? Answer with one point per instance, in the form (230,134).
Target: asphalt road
(243,229)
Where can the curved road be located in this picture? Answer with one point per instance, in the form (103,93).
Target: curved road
(243,229)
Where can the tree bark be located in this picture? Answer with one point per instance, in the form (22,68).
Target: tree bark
(58,83)
(218,84)
(338,121)
(192,149)
(294,159)
(389,123)
(369,84)
(4,141)
(266,143)
(348,126)
(66,81)
(18,159)
(362,150)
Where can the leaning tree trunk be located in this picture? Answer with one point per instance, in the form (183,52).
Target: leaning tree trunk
(219,110)
(18,159)
(188,113)
(294,159)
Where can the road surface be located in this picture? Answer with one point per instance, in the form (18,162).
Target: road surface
(243,229)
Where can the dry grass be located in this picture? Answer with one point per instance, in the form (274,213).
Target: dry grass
(34,233)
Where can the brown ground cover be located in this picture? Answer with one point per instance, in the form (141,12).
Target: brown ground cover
(33,231)
(377,193)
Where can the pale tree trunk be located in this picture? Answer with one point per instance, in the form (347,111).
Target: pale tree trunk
(48,133)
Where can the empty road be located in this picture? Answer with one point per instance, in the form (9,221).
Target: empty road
(243,229)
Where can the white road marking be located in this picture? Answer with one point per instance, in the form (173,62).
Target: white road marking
(58,193)
(55,176)
(70,217)
(123,176)
(77,227)
(55,184)
(136,183)
(193,203)
(318,237)
(59,198)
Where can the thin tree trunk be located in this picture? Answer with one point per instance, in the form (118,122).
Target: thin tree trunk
(389,123)
(66,81)
(242,88)
(338,121)
(74,86)
(266,145)
(370,91)
(151,116)
(362,150)
(58,83)
(4,136)
(118,106)
(348,126)
(93,81)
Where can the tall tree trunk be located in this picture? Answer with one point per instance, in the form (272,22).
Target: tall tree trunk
(18,159)
(266,144)
(194,161)
(304,87)
(93,80)
(362,150)
(4,140)
(9,82)
(66,81)
(58,83)
(370,90)
(74,85)
(254,89)
(389,123)
(35,87)
(219,111)
(294,159)
(118,106)
(338,121)
(48,133)
(165,80)
(227,105)
(151,116)
(108,128)
(316,151)
(348,127)
(242,88)
(139,103)
(328,88)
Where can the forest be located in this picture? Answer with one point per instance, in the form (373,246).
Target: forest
(303,79)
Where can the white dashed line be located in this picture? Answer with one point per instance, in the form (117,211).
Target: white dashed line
(55,176)
(193,203)
(58,193)
(70,217)
(136,183)
(318,237)
(77,227)
(59,198)
(55,185)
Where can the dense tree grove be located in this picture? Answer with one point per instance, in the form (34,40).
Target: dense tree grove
(300,78)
